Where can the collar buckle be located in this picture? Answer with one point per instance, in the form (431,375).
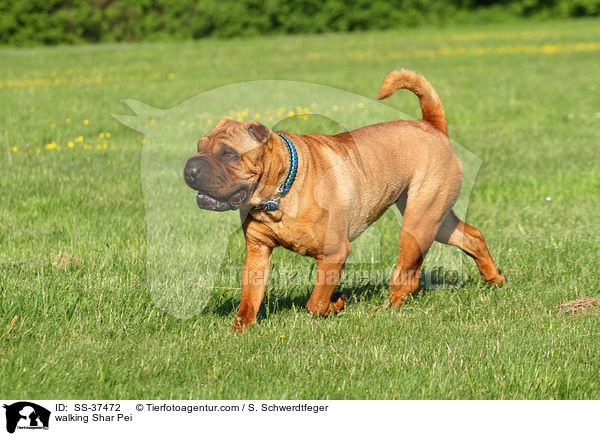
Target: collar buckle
(272,204)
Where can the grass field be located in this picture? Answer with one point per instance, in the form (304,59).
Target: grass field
(77,318)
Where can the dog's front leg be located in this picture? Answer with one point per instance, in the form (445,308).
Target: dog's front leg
(323,300)
(254,281)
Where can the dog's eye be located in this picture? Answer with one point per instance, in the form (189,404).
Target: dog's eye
(227,154)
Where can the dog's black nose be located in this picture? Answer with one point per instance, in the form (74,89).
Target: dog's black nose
(193,171)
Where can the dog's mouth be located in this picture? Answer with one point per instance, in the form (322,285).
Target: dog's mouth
(207,202)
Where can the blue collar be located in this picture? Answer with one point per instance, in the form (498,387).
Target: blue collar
(273,203)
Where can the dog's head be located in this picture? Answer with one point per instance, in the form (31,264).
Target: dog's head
(228,165)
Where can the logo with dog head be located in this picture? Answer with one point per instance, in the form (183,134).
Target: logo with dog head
(26,415)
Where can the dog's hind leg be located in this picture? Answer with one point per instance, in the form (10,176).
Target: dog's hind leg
(470,240)
(405,278)
(421,221)
(424,209)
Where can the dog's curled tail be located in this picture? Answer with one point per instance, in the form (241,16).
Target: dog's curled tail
(431,106)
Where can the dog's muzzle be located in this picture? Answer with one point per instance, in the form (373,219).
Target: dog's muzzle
(195,169)
(194,172)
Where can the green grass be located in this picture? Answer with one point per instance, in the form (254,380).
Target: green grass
(524,98)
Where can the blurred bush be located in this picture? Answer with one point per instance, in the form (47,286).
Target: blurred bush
(33,22)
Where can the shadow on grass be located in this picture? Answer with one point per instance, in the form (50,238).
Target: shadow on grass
(291,289)
(278,298)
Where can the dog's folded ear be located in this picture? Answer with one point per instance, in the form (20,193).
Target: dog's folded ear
(257,130)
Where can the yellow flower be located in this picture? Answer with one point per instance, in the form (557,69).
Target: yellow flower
(71,145)
(79,139)
(107,134)
(291,114)
(15,149)
(144,141)
(86,122)
(171,76)
(335,108)
(101,135)
(361,105)
(68,121)
(152,122)
(51,146)
(257,116)
(87,147)
(282,336)
(52,126)
(182,123)
(38,151)
(31,109)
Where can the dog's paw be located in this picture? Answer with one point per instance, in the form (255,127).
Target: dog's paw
(241,324)
(497,280)
(335,304)
(396,299)
(338,301)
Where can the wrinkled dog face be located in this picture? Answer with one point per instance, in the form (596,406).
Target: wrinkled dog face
(228,164)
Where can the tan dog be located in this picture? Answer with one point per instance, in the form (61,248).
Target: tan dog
(343,184)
